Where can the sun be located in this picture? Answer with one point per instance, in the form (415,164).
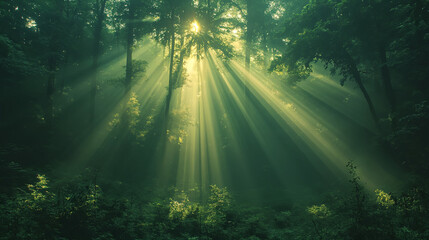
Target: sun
(195,27)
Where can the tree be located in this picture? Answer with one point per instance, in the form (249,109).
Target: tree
(99,10)
(214,23)
(409,49)
(373,27)
(170,13)
(255,13)
(319,33)
(52,24)
(136,11)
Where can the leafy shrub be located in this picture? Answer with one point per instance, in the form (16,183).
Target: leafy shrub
(384,199)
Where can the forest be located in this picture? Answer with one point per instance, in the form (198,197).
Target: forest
(214,119)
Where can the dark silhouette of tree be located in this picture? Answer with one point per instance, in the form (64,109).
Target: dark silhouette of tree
(99,10)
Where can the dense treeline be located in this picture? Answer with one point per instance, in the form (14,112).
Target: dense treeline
(53,96)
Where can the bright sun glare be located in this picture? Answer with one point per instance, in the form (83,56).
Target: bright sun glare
(195,27)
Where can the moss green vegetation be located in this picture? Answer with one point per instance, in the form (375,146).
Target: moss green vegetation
(79,209)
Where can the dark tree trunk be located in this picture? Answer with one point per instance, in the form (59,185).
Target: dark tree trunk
(385,74)
(358,80)
(54,48)
(170,77)
(66,71)
(129,66)
(50,89)
(182,55)
(130,43)
(249,34)
(100,6)
(248,47)
(266,52)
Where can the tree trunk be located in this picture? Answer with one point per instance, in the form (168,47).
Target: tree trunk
(177,73)
(249,34)
(248,47)
(357,78)
(182,56)
(385,74)
(129,66)
(130,43)
(54,49)
(66,71)
(182,52)
(50,91)
(266,57)
(170,77)
(100,6)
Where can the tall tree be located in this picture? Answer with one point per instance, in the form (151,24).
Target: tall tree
(254,26)
(371,24)
(170,13)
(320,33)
(170,74)
(51,22)
(99,11)
(137,10)
(130,42)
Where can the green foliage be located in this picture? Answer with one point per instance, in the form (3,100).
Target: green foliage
(132,120)
(133,112)
(13,62)
(139,68)
(320,211)
(356,39)
(384,199)
(181,207)
(291,74)
(179,122)
(219,204)
(409,141)
(39,193)
(80,209)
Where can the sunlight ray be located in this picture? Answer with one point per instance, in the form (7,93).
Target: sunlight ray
(149,88)
(329,147)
